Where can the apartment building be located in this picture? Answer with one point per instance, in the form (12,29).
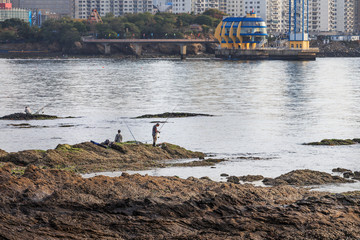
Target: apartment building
(182,6)
(324,15)
(357,16)
(200,6)
(83,8)
(62,7)
(7,12)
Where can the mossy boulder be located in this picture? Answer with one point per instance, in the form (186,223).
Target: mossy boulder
(23,116)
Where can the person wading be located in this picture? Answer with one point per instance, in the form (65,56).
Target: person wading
(155,133)
(118,137)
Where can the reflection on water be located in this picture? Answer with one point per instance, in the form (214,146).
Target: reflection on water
(263,108)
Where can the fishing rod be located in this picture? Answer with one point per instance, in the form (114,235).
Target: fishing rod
(37,112)
(130,131)
(167,118)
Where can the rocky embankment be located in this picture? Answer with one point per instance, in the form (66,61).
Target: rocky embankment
(117,50)
(89,157)
(54,204)
(337,49)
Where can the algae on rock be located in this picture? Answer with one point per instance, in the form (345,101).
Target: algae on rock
(333,142)
(88,157)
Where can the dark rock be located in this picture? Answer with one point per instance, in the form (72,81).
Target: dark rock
(233,179)
(206,178)
(224,175)
(348,174)
(54,204)
(332,142)
(251,178)
(174,115)
(357,175)
(305,178)
(23,116)
(341,170)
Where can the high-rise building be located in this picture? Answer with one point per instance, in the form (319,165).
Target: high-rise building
(8,12)
(234,8)
(83,8)
(357,16)
(62,7)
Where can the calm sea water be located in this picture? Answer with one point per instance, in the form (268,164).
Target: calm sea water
(264,109)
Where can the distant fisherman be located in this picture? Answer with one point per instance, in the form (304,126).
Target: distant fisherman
(155,133)
(118,137)
(27,110)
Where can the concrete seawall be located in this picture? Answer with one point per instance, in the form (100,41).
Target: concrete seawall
(267,53)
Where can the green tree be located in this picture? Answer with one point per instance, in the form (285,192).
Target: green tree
(7,35)
(215,13)
(204,20)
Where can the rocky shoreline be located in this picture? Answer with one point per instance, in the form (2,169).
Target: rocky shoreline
(123,51)
(44,197)
(54,204)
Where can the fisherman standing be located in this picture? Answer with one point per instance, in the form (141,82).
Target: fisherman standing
(118,137)
(27,110)
(155,133)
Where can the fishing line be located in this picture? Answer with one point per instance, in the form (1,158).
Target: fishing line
(37,112)
(130,131)
(168,118)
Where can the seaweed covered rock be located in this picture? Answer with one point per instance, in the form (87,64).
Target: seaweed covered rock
(89,157)
(333,142)
(174,115)
(23,116)
(54,204)
(305,178)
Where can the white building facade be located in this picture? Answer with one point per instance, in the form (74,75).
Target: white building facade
(182,6)
(83,8)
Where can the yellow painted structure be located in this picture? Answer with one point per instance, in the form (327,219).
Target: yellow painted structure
(299,44)
(241,32)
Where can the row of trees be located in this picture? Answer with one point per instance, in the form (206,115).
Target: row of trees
(160,25)
(66,31)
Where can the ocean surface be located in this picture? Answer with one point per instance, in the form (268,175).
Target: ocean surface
(264,110)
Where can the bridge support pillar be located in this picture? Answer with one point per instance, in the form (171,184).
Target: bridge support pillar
(183,51)
(137,49)
(107,49)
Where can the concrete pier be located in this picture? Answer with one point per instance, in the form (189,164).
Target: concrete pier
(267,53)
(183,51)
(107,47)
